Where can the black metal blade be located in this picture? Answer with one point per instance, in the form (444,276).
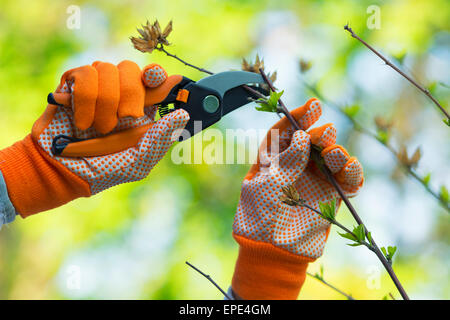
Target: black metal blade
(239,96)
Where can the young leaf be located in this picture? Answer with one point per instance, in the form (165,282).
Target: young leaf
(271,105)
(399,57)
(351,111)
(427,179)
(328,209)
(323,207)
(354,244)
(447,122)
(348,236)
(369,237)
(333,207)
(432,87)
(360,233)
(391,252)
(444,194)
(383,137)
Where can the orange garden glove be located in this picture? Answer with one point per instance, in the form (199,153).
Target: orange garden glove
(104,98)
(278,241)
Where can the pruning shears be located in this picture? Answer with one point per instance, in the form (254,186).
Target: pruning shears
(206,101)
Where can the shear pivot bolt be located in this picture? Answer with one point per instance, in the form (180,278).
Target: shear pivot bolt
(210,104)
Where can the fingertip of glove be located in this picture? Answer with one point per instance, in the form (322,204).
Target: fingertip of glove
(352,173)
(335,157)
(309,113)
(153,75)
(323,136)
(128,64)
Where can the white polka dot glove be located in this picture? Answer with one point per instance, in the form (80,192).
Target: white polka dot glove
(90,102)
(277,241)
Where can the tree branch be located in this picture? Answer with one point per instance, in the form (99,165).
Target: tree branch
(321,279)
(210,280)
(358,127)
(162,49)
(404,75)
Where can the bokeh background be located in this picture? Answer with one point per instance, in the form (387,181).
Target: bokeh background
(131,242)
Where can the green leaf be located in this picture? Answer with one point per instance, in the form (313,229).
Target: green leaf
(354,244)
(399,57)
(360,233)
(321,271)
(427,179)
(264,106)
(352,110)
(271,105)
(444,194)
(369,237)
(333,207)
(447,122)
(323,207)
(391,252)
(328,209)
(348,236)
(432,87)
(383,136)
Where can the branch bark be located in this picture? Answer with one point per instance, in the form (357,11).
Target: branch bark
(404,75)
(162,49)
(210,280)
(349,297)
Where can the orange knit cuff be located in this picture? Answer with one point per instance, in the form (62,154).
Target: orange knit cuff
(35,182)
(266,272)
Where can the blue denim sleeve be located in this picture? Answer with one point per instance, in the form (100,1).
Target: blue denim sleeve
(7,211)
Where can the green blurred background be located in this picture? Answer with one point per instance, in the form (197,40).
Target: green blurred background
(132,241)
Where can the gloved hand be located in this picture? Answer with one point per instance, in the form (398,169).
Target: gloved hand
(277,241)
(103,99)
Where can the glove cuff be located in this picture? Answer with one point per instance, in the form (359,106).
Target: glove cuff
(35,182)
(264,271)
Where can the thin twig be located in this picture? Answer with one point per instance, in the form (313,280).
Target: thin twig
(210,280)
(321,279)
(404,75)
(335,222)
(360,128)
(161,48)
(339,190)
(246,87)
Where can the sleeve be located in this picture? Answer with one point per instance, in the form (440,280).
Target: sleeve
(7,210)
(266,272)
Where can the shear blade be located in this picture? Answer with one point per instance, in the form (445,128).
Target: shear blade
(238,97)
(224,81)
